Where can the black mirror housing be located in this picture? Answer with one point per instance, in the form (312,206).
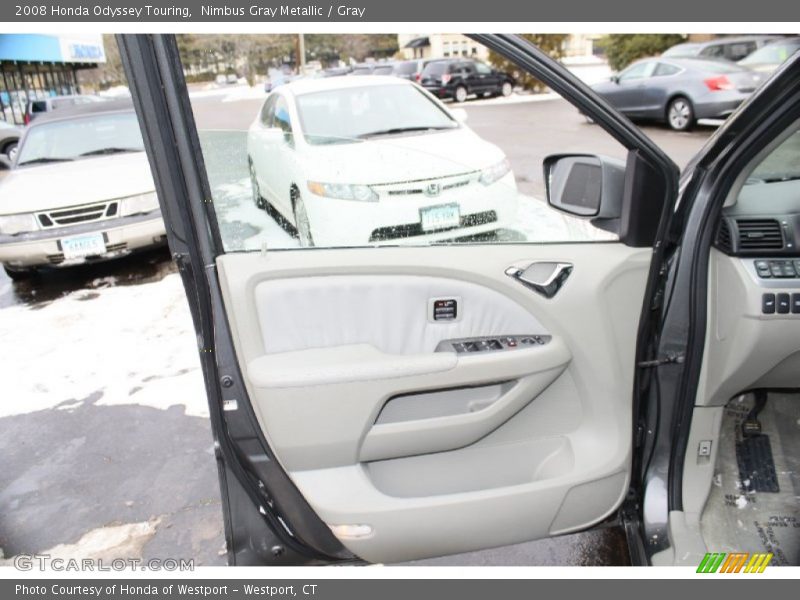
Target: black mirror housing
(586,185)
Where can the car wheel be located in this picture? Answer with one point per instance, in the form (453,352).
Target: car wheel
(301,221)
(506,89)
(680,114)
(10,150)
(461,94)
(17,274)
(258,199)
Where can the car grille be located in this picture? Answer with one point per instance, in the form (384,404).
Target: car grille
(407,230)
(429,187)
(79,214)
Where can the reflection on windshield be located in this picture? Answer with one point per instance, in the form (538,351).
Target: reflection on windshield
(782,164)
(349,114)
(81,137)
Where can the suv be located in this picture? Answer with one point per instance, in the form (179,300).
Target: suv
(459,78)
(410,69)
(37,107)
(733,48)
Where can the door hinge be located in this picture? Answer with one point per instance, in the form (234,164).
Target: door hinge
(669,358)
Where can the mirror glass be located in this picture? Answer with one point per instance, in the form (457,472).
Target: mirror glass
(574,184)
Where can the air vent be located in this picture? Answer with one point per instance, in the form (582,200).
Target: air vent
(724,241)
(759,234)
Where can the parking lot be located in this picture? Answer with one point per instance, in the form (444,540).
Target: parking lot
(106,441)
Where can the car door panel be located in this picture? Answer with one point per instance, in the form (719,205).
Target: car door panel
(377,428)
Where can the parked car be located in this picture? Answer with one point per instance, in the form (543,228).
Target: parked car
(728,48)
(336,71)
(770,57)
(80,190)
(410,69)
(44,105)
(679,91)
(9,138)
(460,78)
(325,152)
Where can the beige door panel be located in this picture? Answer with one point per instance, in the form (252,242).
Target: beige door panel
(438,452)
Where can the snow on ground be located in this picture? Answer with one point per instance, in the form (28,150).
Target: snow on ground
(113,345)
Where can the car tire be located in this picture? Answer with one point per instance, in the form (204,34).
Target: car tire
(18,274)
(258,199)
(10,150)
(301,222)
(460,95)
(506,89)
(680,114)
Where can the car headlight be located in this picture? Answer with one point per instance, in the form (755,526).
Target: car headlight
(143,203)
(14,224)
(491,174)
(343,191)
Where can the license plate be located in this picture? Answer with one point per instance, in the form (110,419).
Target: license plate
(443,216)
(83,245)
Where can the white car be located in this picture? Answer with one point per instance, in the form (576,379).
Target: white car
(80,190)
(355,160)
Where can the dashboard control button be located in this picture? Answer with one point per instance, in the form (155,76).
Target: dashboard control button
(775,269)
(768,304)
(783,304)
(796,303)
(762,268)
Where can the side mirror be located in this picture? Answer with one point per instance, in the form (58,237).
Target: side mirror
(459,114)
(585,185)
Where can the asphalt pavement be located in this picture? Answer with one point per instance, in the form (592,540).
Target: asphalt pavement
(100,459)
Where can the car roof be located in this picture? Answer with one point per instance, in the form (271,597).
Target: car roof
(83,110)
(308,86)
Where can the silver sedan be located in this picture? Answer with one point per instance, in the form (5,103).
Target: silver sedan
(679,91)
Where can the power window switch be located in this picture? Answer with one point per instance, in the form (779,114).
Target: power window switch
(796,304)
(762,268)
(784,304)
(768,304)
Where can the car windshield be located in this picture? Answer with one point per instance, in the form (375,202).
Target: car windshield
(72,139)
(716,66)
(353,114)
(781,164)
(772,53)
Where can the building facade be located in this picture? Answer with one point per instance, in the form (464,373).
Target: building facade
(35,66)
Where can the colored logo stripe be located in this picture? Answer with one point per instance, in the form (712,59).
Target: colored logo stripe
(735,562)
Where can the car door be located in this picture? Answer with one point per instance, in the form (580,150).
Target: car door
(488,80)
(396,403)
(630,94)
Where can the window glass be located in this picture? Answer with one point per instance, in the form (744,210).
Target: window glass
(83,137)
(638,71)
(664,69)
(372,162)
(482,68)
(713,51)
(782,164)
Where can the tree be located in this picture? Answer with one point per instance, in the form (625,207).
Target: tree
(550,43)
(622,49)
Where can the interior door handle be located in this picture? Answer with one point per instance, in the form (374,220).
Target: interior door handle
(545,278)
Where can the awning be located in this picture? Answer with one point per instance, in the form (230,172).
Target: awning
(420,42)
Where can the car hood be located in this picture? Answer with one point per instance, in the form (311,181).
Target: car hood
(399,158)
(58,185)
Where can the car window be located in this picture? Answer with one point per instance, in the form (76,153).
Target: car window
(406,68)
(39,106)
(482,69)
(782,164)
(713,51)
(774,53)
(638,71)
(664,69)
(739,50)
(378,162)
(267,111)
(80,137)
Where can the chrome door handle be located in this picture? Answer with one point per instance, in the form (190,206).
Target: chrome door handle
(545,278)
